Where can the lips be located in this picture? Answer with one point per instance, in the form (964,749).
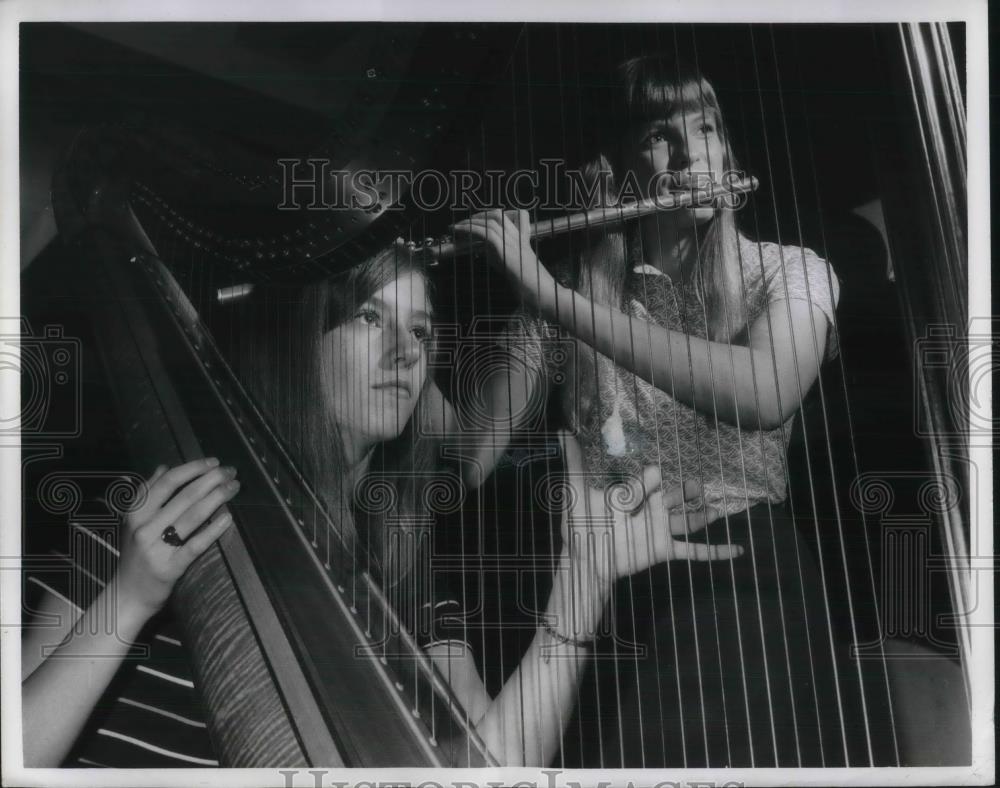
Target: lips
(685,182)
(691,188)
(398,386)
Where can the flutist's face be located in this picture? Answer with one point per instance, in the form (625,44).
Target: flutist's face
(379,363)
(677,153)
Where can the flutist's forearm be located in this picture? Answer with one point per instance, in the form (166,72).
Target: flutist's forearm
(756,387)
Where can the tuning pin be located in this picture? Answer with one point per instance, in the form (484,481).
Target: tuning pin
(225,295)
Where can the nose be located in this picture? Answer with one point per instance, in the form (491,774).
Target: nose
(685,155)
(679,157)
(406,351)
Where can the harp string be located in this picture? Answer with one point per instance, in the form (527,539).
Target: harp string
(479,520)
(626,583)
(710,568)
(562,724)
(812,486)
(618,645)
(774,541)
(524,46)
(577,657)
(780,593)
(539,599)
(807,628)
(648,536)
(678,673)
(752,558)
(686,329)
(835,499)
(575,420)
(773,529)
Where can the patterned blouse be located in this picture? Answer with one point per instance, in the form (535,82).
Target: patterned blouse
(623,423)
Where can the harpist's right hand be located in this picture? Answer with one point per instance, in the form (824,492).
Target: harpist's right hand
(633,521)
(164,534)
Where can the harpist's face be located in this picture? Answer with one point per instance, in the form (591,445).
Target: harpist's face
(379,363)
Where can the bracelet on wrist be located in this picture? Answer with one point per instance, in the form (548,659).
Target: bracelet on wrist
(558,637)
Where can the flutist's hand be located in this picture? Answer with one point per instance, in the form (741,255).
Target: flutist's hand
(506,235)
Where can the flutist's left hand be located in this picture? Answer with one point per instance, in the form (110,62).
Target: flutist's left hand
(507,239)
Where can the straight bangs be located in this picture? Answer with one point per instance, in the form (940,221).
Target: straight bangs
(655,88)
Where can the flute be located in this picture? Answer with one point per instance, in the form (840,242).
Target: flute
(445,246)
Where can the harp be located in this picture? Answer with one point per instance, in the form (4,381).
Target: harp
(171,222)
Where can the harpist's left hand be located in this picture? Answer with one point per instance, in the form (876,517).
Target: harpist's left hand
(166,532)
(506,236)
(634,520)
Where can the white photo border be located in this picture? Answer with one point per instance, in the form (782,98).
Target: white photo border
(973,13)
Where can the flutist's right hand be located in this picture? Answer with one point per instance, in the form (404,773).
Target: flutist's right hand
(164,534)
(506,235)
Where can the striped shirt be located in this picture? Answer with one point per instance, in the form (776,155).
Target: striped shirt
(151,714)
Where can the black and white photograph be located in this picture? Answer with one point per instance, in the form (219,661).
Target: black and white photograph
(457,396)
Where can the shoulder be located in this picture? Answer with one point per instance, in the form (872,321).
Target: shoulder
(789,271)
(772,257)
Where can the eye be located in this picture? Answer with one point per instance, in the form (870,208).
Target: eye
(369,317)
(655,137)
(706,128)
(422,332)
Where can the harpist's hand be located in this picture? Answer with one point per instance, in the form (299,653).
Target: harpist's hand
(505,234)
(182,498)
(633,520)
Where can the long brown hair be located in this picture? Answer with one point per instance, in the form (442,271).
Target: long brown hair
(285,371)
(649,88)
